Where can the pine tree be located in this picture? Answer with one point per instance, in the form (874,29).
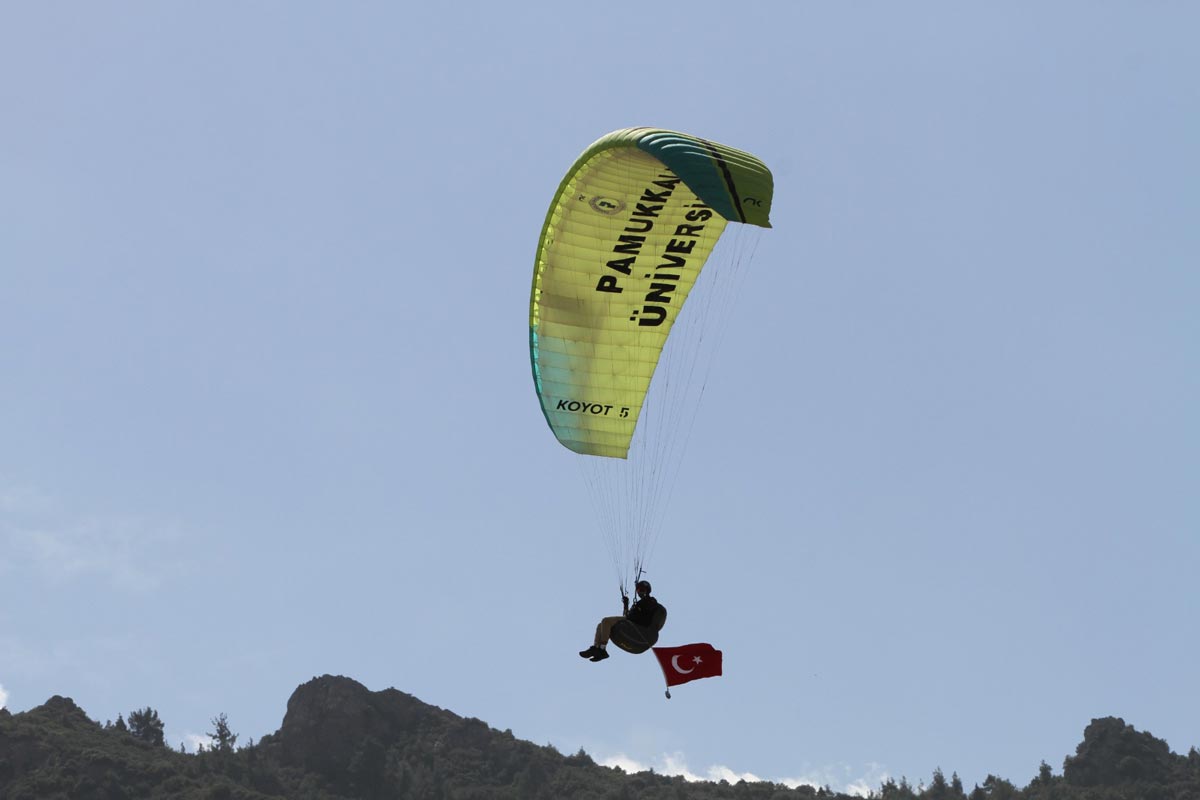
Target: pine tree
(938,789)
(223,739)
(144,724)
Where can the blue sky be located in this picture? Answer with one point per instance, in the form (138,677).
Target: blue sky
(267,412)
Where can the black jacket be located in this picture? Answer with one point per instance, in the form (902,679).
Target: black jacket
(642,611)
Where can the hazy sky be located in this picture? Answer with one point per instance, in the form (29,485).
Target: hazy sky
(266,409)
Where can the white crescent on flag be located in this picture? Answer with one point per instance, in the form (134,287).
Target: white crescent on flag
(679,669)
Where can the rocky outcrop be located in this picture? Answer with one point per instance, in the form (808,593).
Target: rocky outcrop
(1113,753)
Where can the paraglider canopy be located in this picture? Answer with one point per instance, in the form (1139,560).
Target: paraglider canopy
(631,225)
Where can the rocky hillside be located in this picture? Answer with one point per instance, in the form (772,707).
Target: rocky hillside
(340,740)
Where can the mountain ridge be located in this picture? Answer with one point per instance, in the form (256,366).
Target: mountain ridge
(339,740)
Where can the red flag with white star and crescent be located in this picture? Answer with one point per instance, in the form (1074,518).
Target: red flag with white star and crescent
(688,662)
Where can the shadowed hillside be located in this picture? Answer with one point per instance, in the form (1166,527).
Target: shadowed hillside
(340,740)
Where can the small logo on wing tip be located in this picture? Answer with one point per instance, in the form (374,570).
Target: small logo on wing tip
(606,205)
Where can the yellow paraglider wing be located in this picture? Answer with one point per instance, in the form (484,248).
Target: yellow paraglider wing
(630,227)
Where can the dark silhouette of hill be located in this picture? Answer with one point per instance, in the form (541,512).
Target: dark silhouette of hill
(340,740)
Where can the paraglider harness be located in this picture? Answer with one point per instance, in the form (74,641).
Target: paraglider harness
(638,637)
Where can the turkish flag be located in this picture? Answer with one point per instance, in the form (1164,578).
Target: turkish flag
(688,662)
